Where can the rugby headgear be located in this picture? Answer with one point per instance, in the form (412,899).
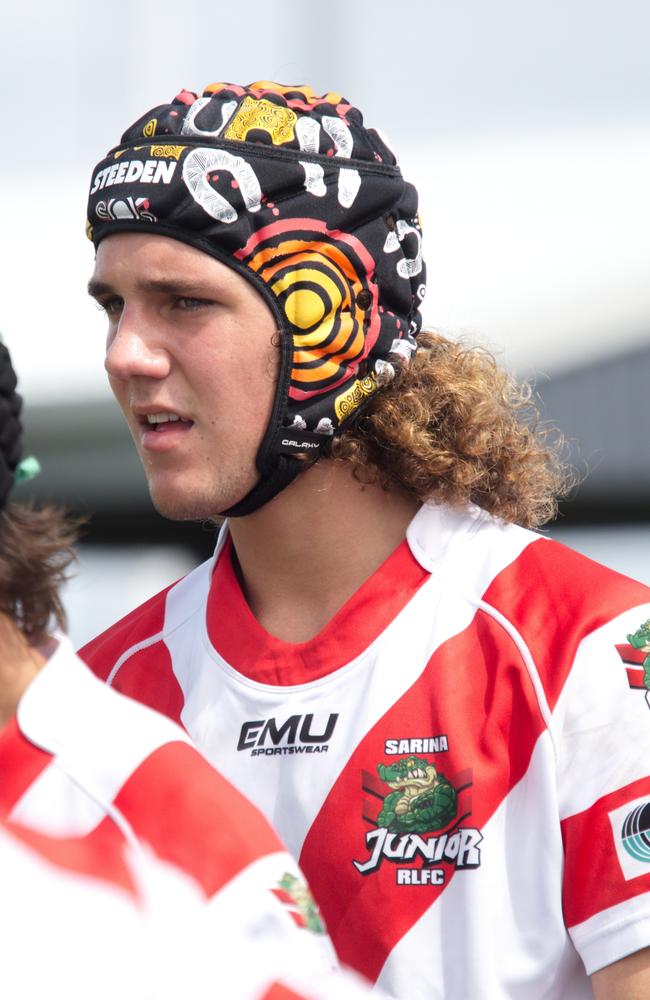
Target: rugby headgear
(309,205)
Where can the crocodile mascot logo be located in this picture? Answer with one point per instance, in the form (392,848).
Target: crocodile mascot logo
(641,640)
(422,799)
(635,654)
(295,894)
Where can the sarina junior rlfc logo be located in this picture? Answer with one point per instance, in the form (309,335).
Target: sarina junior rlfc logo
(635,654)
(417,817)
(303,909)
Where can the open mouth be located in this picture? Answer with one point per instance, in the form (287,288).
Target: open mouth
(159,423)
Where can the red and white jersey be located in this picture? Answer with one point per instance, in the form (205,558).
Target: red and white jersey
(459,759)
(91,917)
(81,761)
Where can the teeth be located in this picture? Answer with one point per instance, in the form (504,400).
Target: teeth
(161,418)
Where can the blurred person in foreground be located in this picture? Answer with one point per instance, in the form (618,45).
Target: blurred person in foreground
(91,917)
(428,699)
(113,827)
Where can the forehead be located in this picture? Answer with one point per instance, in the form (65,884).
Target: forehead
(128,258)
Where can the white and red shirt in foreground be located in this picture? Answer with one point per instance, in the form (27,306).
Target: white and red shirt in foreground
(80,761)
(91,917)
(460,759)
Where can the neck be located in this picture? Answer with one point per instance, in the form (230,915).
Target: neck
(305,553)
(19,664)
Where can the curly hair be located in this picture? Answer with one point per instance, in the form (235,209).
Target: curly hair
(456,428)
(36,550)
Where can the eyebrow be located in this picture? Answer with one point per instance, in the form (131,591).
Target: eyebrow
(165,285)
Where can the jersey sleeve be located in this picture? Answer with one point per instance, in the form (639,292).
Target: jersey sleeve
(601,726)
(575,617)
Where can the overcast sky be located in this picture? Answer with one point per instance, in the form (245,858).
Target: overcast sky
(74,73)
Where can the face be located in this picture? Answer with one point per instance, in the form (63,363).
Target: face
(191,359)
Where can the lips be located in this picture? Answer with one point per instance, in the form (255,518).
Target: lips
(161,422)
(161,430)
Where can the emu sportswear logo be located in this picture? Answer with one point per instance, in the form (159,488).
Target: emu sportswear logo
(631,830)
(297,734)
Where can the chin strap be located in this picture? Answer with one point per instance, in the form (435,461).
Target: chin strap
(277,459)
(279,464)
(268,487)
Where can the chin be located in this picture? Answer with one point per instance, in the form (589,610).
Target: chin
(180,505)
(178,511)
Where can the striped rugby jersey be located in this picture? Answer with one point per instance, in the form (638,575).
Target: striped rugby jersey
(459,759)
(80,761)
(91,917)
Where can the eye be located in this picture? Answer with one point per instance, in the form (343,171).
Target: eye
(112,305)
(186,303)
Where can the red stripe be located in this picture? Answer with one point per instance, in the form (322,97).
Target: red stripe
(485,702)
(246,646)
(283,896)
(192,817)
(102,652)
(593,879)
(555,598)
(20,765)
(309,226)
(99,856)
(635,678)
(373,784)
(279,992)
(290,902)
(148,676)
(629,654)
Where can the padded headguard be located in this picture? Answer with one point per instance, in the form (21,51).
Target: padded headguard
(309,205)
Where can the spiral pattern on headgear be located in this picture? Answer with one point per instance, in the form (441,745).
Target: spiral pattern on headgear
(10,426)
(323,284)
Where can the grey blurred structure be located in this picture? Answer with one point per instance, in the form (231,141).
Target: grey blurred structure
(89,465)
(602,408)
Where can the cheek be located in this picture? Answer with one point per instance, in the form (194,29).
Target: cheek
(120,391)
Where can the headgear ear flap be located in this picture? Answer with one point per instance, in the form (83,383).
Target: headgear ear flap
(308,204)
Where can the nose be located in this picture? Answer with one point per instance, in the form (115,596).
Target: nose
(134,349)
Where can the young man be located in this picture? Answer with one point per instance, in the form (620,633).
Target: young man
(109,814)
(428,700)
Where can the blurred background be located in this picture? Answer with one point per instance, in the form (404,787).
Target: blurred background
(526,128)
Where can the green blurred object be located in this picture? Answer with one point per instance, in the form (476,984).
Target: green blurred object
(27,469)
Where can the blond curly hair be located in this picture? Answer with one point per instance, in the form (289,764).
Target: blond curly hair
(456,428)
